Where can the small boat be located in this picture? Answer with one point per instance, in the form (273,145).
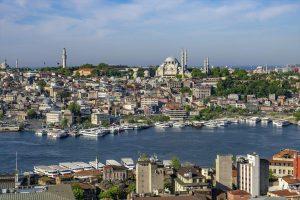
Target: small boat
(253,120)
(211,124)
(266,120)
(57,133)
(281,123)
(162,125)
(41,132)
(178,125)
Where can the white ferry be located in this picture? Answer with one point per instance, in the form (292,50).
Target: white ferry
(83,165)
(162,125)
(45,170)
(179,125)
(41,132)
(57,133)
(94,164)
(94,132)
(253,120)
(113,162)
(128,127)
(128,163)
(211,124)
(71,166)
(61,170)
(281,123)
(266,120)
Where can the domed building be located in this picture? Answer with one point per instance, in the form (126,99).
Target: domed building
(171,67)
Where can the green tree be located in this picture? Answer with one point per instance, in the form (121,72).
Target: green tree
(197,73)
(78,192)
(185,90)
(64,123)
(105,123)
(74,108)
(297,115)
(1,114)
(112,193)
(31,113)
(175,162)
(41,84)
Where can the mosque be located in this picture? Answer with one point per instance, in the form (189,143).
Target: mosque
(171,66)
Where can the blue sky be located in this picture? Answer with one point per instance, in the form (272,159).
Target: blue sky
(144,32)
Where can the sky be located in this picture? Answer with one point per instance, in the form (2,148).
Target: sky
(145,32)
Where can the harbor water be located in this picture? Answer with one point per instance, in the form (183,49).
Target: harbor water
(199,146)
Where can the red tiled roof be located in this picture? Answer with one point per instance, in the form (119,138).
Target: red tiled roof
(291,180)
(238,192)
(284,193)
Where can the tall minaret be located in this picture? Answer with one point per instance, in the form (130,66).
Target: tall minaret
(17,63)
(206,65)
(64,58)
(183,61)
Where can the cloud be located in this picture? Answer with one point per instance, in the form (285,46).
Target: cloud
(273,11)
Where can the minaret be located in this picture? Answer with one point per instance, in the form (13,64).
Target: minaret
(17,63)
(97,162)
(17,173)
(64,58)
(206,65)
(183,61)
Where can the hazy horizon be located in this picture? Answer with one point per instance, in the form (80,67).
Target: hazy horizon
(141,32)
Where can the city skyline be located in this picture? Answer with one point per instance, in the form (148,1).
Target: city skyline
(144,33)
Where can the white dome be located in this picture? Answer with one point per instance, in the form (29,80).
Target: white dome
(170,59)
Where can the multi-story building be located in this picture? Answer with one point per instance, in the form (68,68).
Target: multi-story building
(281,163)
(190,179)
(114,172)
(253,174)
(53,117)
(148,101)
(97,118)
(149,177)
(224,172)
(202,92)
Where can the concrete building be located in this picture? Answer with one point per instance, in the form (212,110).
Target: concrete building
(53,117)
(149,177)
(224,172)
(281,163)
(190,179)
(202,91)
(98,118)
(114,172)
(248,174)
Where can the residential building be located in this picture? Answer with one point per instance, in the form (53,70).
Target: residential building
(190,179)
(238,195)
(253,174)
(281,163)
(224,172)
(202,92)
(114,172)
(289,182)
(53,117)
(149,176)
(98,118)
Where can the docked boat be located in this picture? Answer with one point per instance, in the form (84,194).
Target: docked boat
(266,120)
(211,124)
(45,171)
(298,123)
(41,132)
(253,120)
(128,127)
(178,125)
(281,123)
(61,170)
(94,132)
(57,133)
(71,166)
(162,125)
(128,163)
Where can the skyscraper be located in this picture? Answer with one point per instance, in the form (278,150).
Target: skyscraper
(64,58)
(224,172)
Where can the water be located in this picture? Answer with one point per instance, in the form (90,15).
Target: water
(199,146)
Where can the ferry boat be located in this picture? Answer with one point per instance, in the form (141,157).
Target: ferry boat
(45,171)
(162,125)
(61,170)
(178,125)
(57,133)
(266,120)
(94,132)
(113,162)
(128,127)
(71,166)
(198,124)
(128,163)
(211,124)
(83,165)
(253,120)
(41,132)
(281,123)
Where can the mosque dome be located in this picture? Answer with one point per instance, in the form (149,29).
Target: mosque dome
(170,59)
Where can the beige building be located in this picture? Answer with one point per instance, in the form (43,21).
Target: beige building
(190,179)
(281,164)
(53,117)
(97,118)
(224,172)
(149,177)
(202,92)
